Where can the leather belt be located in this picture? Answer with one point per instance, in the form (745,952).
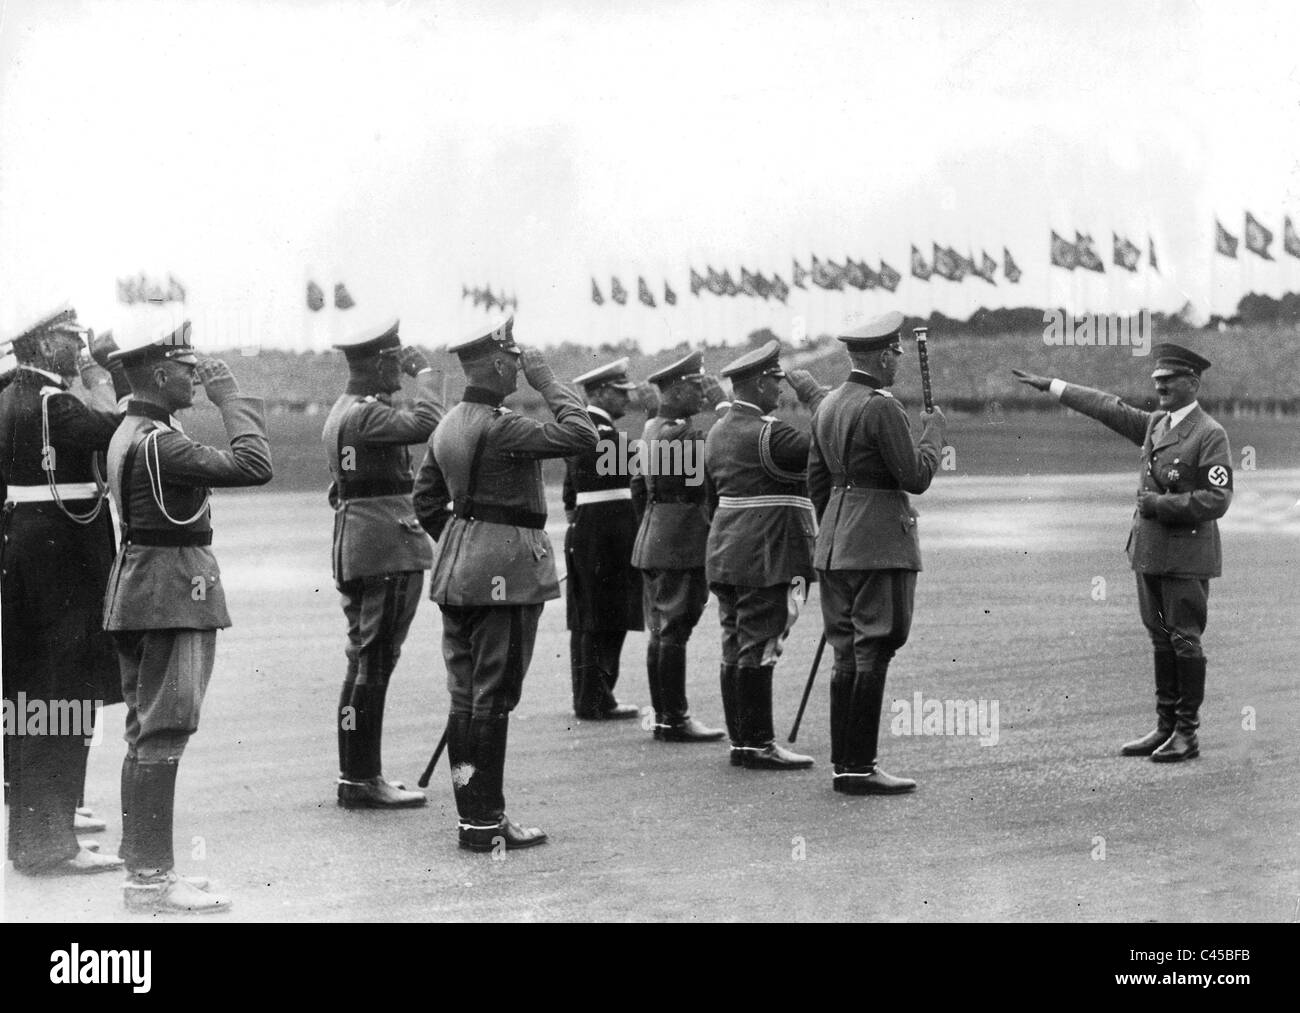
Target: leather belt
(843,482)
(368,488)
(678,499)
(494,514)
(44,494)
(167,537)
(603,496)
(773,500)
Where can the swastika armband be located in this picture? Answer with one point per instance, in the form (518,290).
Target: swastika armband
(1214,476)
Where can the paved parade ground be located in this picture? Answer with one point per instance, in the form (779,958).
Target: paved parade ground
(1026,607)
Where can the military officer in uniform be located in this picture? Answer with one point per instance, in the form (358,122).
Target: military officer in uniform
(1184,487)
(759,561)
(479,494)
(380,550)
(669,496)
(166,599)
(603,592)
(57,551)
(861,467)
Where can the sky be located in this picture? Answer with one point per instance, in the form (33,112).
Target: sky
(410,149)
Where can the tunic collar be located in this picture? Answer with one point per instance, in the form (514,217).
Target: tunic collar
(481,395)
(150,411)
(54,378)
(864,378)
(593,410)
(737,403)
(1176,417)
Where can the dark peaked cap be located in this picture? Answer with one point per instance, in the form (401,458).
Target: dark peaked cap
(371,341)
(175,346)
(500,339)
(761,360)
(1175,360)
(881,332)
(613,374)
(691,365)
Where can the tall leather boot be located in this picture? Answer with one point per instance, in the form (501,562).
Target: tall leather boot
(652,677)
(127,851)
(860,774)
(841,697)
(761,750)
(676,724)
(1166,669)
(1182,745)
(346,719)
(606,655)
(727,677)
(487,827)
(362,785)
(152,884)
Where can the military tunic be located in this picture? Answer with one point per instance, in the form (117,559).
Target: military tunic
(1175,553)
(479,494)
(380,553)
(669,495)
(760,544)
(861,467)
(165,598)
(54,571)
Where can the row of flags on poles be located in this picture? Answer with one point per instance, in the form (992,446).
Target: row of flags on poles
(1258,238)
(488,299)
(1082,253)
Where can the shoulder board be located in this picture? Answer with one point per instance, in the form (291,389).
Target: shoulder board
(769,418)
(369,399)
(501,410)
(882,393)
(47,390)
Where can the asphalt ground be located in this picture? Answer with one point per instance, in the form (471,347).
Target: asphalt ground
(1026,603)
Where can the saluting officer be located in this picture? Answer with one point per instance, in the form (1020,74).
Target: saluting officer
(669,496)
(759,561)
(1184,487)
(57,551)
(861,467)
(380,550)
(492,567)
(603,592)
(165,598)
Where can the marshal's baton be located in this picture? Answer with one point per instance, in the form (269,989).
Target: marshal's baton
(437,753)
(807,690)
(920,334)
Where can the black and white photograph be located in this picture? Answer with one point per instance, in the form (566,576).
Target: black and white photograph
(726,462)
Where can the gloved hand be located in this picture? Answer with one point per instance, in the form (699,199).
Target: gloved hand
(1147,503)
(571,515)
(412,361)
(219,383)
(804,383)
(647,396)
(101,347)
(714,395)
(538,374)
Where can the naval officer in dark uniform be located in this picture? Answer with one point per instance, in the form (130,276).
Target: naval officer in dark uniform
(380,550)
(166,599)
(603,592)
(479,494)
(1184,487)
(57,550)
(759,553)
(669,496)
(861,467)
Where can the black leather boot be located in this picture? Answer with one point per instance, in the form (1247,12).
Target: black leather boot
(1182,745)
(485,827)
(841,699)
(676,723)
(761,751)
(362,785)
(594,699)
(1166,668)
(727,676)
(127,851)
(860,774)
(153,794)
